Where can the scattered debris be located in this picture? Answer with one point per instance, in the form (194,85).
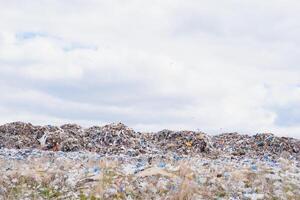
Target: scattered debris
(84,175)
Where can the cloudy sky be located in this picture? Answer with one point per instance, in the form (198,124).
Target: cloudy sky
(216,66)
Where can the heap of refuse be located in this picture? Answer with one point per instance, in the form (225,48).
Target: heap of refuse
(116,139)
(182,142)
(116,162)
(257,145)
(112,139)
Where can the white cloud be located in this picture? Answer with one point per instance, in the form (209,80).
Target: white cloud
(162,64)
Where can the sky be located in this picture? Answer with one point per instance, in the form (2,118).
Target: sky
(215,66)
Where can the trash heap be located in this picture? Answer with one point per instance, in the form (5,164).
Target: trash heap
(182,142)
(111,139)
(19,135)
(116,138)
(257,145)
(115,162)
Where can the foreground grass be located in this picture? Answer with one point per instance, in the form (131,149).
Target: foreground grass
(196,178)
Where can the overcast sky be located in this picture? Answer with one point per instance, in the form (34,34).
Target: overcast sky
(216,66)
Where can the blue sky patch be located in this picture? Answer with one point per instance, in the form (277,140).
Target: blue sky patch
(29,35)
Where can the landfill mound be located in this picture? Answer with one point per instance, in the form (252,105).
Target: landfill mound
(182,142)
(111,139)
(116,138)
(257,145)
(116,162)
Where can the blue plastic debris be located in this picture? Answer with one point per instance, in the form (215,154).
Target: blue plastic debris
(96,170)
(226,175)
(176,157)
(260,143)
(254,167)
(162,165)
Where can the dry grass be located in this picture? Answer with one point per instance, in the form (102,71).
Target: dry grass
(57,179)
(188,187)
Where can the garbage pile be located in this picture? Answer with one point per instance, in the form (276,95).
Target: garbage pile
(19,135)
(257,145)
(182,142)
(112,139)
(116,162)
(116,138)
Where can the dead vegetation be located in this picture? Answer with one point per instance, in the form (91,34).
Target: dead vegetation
(108,178)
